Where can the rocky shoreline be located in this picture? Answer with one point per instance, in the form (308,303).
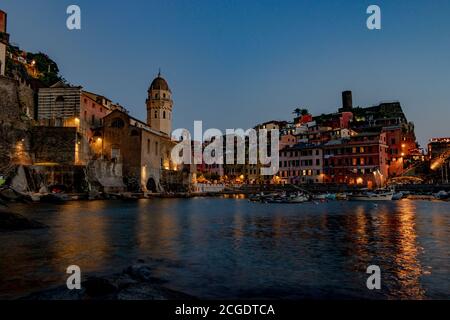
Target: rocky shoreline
(10,221)
(135,282)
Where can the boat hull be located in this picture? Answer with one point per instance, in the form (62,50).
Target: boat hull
(374,197)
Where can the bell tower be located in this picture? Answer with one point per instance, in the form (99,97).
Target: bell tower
(159,106)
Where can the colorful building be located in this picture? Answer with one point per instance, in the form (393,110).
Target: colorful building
(360,160)
(63,105)
(301,164)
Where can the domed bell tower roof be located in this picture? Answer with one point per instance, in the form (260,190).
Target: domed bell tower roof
(159,83)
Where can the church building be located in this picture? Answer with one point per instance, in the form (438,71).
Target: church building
(142,148)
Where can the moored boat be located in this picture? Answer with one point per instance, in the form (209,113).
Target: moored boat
(55,198)
(398,196)
(372,196)
(442,195)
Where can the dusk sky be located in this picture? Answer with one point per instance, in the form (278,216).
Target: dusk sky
(238,63)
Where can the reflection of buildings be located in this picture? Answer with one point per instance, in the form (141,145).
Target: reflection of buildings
(398,230)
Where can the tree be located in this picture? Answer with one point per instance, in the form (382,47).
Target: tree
(300,112)
(47,67)
(297,112)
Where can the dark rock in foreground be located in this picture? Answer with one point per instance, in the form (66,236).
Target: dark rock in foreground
(15,222)
(134,283)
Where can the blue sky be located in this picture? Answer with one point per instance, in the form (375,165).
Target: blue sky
(238,63)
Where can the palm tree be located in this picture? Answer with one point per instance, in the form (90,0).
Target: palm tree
(297,112)
(304,112)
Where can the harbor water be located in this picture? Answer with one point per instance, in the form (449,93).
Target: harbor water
(220,248)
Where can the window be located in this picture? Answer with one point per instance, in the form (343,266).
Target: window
(148,145)
(92,119)
(164,114)
(117,123)
(156,114)
(156,147)
(59,99)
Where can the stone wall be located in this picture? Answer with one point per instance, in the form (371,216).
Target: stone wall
(9,100)
(108,174)
(54,144)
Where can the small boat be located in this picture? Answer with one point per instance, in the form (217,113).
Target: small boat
(320,196)
(300,198)
(341,196)
(293,198)
(372,196)
(128,196)
(55,198)
(398,196)
(442,195)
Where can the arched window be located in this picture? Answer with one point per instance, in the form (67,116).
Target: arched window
(156,114)
(164,114)
(117,123)
(59,99)
(164,95)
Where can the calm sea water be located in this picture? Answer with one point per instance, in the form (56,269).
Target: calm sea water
(232,248)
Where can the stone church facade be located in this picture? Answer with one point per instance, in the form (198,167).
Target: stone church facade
(142,148)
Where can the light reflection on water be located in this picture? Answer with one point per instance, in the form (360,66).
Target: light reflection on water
(232,248)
